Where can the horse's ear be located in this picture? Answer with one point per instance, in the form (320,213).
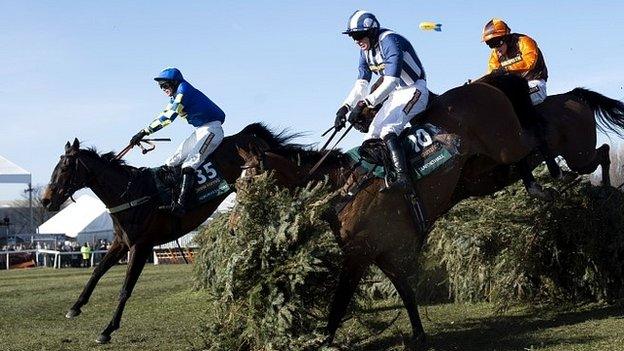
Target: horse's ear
(243,153)
(76,144)
(67,147)
(255,149)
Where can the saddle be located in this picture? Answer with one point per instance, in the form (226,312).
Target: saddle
(209,183)
(426,149)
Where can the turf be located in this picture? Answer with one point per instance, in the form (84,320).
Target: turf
(164,314)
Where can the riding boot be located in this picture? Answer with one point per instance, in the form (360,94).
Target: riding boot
(402,182)
(540,133)
(188,180)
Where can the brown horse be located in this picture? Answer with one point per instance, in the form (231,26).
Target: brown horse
(571,122)
(378,228)
(141,225)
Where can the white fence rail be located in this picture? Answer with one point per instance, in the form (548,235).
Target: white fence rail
(59,254)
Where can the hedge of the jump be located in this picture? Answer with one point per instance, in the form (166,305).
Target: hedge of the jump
(508,248)
(271,265)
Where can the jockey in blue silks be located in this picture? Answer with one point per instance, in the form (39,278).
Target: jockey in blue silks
(199,111)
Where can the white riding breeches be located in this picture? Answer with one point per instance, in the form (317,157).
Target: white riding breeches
(401,106)
(538,91)
(194,150)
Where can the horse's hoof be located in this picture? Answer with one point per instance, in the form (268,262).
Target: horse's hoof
(417,343)
(103,339)
(72,313)
(545,194)
(567,177)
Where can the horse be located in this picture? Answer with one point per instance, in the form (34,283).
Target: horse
(140,222)
(378,228)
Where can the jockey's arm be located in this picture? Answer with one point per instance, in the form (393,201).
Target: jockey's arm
(493,63)
(170,113)
(393,61)
(359,89)
(529,52)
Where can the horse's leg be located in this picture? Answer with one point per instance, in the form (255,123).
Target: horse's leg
(532,187)
(114,254)
(600,158)
(605,164)
(138,256)
(350,276)
(405,290)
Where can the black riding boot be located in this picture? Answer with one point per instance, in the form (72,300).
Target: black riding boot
(540,133)
(402,182)
(188,180)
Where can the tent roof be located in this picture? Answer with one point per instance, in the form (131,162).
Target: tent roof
(12,173)
(87,216)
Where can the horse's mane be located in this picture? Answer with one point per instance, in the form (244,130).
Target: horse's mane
(108,157)
(281,143)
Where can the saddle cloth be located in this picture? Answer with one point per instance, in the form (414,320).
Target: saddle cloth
(424,151)
(209,183)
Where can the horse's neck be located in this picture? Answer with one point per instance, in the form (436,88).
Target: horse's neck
(226,159)
(108,183)
(331,171)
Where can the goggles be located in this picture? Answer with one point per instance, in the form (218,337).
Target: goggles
(166,84)
(495,43)
(359,35)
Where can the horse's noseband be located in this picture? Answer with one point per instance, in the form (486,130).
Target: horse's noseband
(72,185)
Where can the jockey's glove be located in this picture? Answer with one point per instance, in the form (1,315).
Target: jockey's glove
(354,116)
(136,139)
(341,117)
(499,71)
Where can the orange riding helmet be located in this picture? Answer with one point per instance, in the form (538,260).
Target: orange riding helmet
(495,28)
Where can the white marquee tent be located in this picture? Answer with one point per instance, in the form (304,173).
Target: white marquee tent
(86,220)
(12,173)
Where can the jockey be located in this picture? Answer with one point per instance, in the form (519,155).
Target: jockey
(518,54)
(403,91)
(199,111)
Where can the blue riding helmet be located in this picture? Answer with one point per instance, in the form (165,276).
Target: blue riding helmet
(170,73)
(361,21)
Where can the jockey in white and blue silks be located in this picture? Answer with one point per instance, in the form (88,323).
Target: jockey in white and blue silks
(403,91)
(199,111)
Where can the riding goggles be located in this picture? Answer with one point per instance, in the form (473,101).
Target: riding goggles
(359,35)
(495,43)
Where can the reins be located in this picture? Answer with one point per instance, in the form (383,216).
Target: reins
(150,147)
(318,164)
(142,200)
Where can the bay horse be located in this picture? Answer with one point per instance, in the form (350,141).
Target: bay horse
(139,227)
(378,227)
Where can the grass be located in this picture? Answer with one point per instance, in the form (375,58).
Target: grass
(164,314)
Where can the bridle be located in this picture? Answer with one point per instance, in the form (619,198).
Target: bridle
(72,185)
(262,163)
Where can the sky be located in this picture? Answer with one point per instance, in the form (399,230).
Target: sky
(84,69)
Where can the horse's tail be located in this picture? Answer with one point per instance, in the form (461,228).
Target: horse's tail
(609,112)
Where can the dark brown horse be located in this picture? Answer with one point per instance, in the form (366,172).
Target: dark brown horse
(139,227)
(378,228)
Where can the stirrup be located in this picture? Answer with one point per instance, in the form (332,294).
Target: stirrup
(399,184)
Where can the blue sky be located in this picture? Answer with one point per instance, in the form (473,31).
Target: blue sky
(84,69)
